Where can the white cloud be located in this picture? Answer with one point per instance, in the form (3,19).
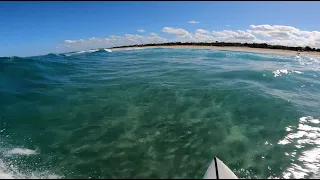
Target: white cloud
(271,34)
(141,30)
(153,34)
(228,25)
(202,35)
(177,31)
(193,22)
(273,28)
(69,41)
(286,35)
(182,35)
(234,36)
(202,31)
(127,39)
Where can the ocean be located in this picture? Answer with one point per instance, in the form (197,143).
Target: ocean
(159,113)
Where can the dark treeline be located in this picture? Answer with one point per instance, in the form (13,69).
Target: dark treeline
(252,45)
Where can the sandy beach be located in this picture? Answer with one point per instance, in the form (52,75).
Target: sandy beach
(244,49)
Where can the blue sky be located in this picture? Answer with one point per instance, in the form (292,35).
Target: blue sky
(34,28)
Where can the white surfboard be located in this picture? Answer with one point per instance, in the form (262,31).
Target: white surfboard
(218,170)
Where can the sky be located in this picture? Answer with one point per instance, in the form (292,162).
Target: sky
(38,28)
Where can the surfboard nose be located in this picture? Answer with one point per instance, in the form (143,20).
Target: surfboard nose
(218,170)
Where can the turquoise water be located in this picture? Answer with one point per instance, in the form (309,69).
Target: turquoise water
(159,113)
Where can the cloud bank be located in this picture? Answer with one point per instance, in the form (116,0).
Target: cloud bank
(271,34)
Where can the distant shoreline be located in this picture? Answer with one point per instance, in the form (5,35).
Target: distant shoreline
(228,48)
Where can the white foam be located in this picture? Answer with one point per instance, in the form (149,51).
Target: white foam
(4,172)
(108,50)
(8,170)
(280,72)
(131,48)
(81,52)
(22,151)
(12,172)
(305,60)
(92,50)
(298,72)
(87,51)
